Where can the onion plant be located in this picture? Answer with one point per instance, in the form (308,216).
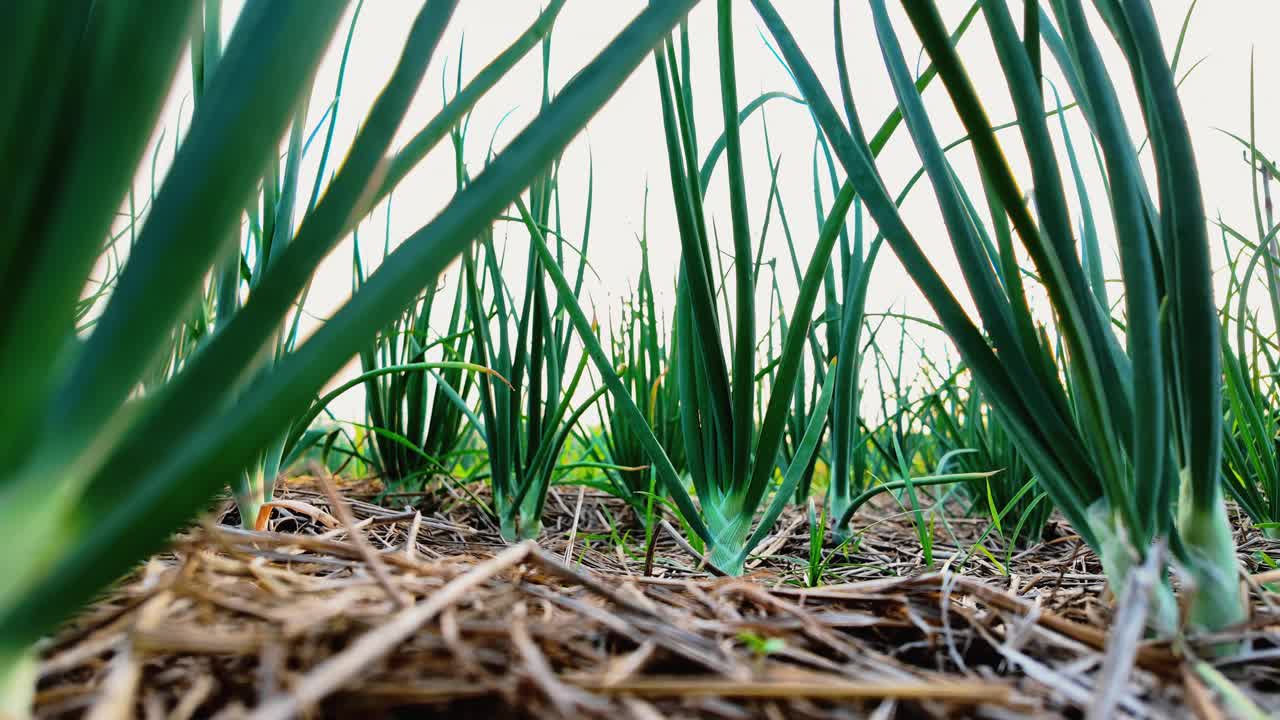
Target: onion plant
(1137,423)
(643,356)
(731,460)
(1251,359)
(845,286)
(270,217)
(416,386)
(528,422)
(804,397)
(268,231)
(830,341)
(898,445)
(109,474)
(964,425)
(731,463)
(268,228)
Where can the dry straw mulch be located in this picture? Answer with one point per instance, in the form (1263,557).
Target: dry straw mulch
(352,609)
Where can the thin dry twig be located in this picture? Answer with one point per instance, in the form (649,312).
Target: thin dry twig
(376,566)
(1126,632)
(573,532)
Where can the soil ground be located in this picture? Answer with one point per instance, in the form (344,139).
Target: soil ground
(361,610)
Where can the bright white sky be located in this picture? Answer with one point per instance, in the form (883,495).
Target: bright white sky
(625,138)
